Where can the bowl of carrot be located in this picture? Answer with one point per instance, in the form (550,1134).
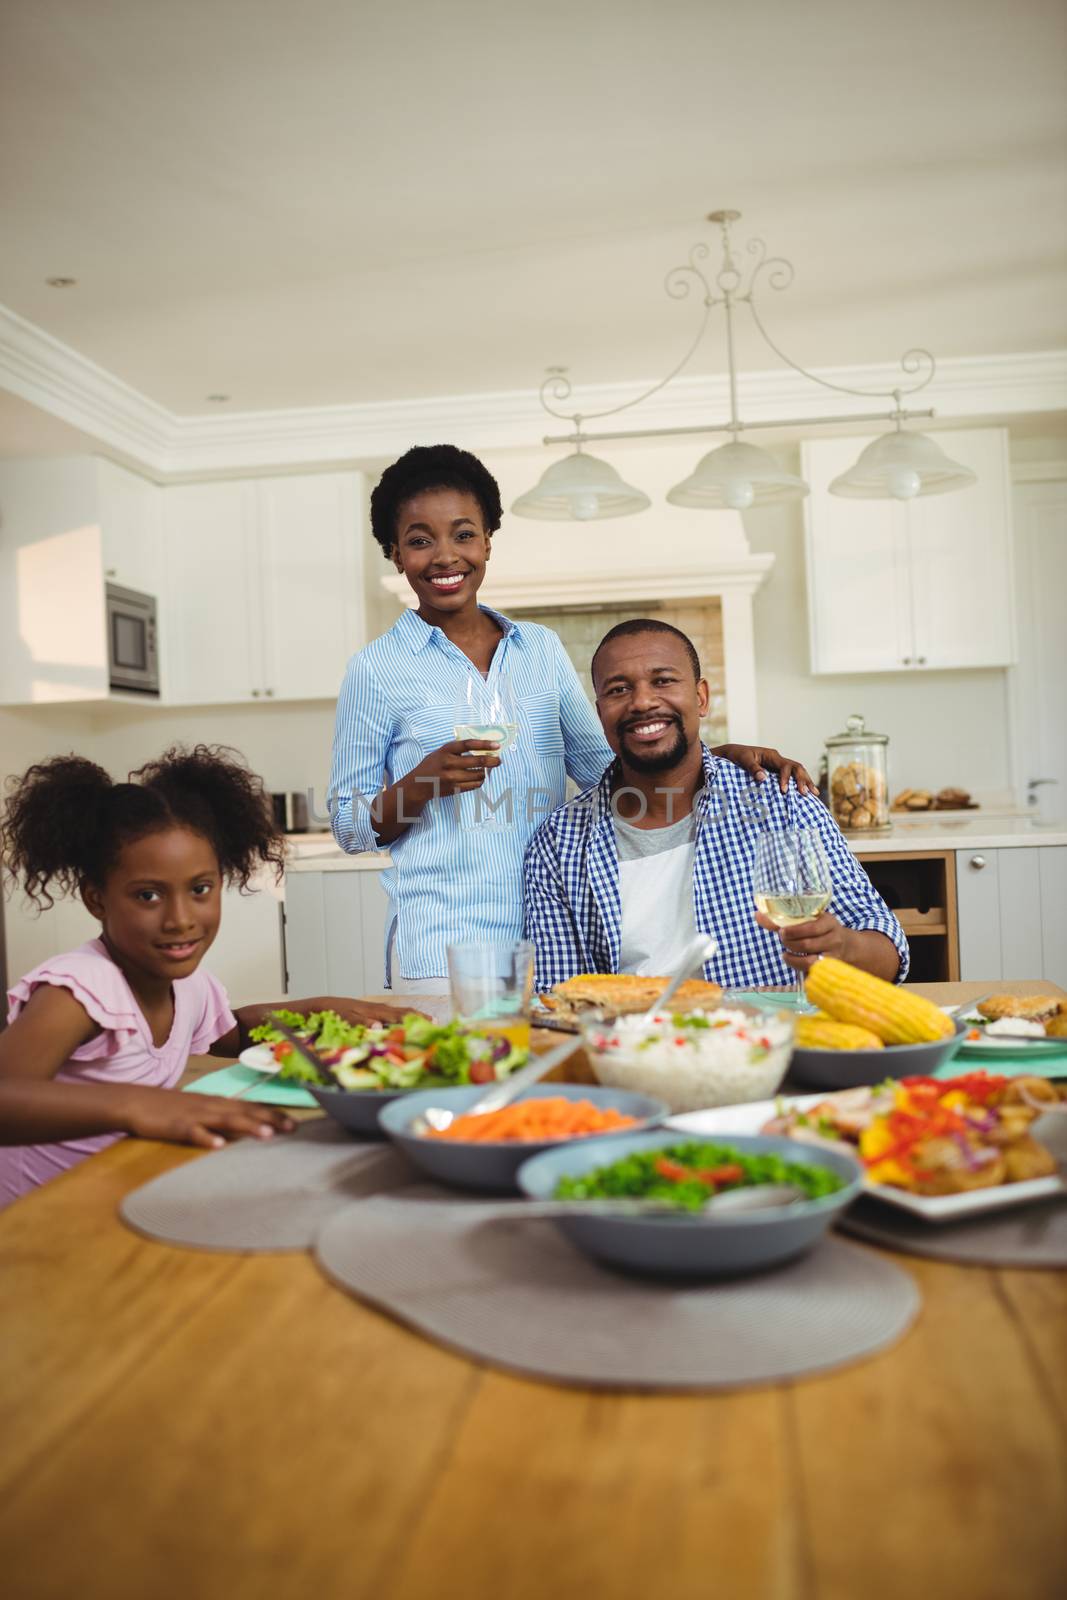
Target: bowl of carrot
(486,1152)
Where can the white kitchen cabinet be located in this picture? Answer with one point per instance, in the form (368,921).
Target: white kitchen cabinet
(132,528)
(67,528)
(908,585)
(263,595)
(310,531)
(1012,913)
(335,932)
(211,626)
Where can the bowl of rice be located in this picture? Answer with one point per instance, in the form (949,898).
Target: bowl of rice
(695,1059)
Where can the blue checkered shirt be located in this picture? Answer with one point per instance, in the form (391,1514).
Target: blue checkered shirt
(573,910)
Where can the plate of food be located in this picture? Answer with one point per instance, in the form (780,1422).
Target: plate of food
(261,1058)
(360,1069)
(685,1239)
(617,993)
(1016,1024)
(486,1151)
(691,1059)
(866,1030)
(940,1149)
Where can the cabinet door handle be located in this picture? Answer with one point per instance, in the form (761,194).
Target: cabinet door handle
(978,862)
(109,572)
(905,661)
(268,693)
(921,660)
(255,694)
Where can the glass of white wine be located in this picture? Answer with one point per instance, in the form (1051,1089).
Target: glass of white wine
(791,882)
(485,709)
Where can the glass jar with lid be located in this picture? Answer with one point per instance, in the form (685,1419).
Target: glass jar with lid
(859,778)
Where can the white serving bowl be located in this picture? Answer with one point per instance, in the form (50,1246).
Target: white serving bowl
(720,1058)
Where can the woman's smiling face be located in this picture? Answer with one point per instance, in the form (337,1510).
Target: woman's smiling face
(441,548)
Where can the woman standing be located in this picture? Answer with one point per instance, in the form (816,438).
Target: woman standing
(399,772)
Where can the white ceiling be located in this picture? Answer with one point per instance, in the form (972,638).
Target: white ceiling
(334,203)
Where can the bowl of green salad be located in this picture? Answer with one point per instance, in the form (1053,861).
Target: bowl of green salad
(684,1239)
(359,1069)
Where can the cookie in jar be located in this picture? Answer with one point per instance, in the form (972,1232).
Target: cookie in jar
(859,778)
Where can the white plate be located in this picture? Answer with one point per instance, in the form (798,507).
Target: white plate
(260,1057)
(987,1046)
(932,1208)
(1018,1046)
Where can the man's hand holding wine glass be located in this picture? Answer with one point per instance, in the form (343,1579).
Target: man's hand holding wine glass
(804,941)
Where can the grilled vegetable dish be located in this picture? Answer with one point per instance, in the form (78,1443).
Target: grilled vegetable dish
(934,1137)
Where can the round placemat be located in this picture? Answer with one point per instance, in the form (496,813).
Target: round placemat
(1029,1236)
(517,1295)
(263,1194)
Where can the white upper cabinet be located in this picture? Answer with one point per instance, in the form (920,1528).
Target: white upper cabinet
(263,590)
(898,586)
(131,519)
(310,531)
(211,630)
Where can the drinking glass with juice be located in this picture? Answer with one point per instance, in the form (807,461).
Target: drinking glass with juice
(491,987)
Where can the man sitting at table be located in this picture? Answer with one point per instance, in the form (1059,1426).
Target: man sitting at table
(622,877)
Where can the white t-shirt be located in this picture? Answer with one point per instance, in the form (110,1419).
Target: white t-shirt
(656,889)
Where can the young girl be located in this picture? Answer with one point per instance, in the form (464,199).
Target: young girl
(114,1022)
(434,513)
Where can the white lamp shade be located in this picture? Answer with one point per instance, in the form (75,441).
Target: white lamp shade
(734,477)
(580,488)
(900,465)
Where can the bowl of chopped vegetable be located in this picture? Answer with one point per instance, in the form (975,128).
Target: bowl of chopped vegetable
(695,1059)
(362,1069)
(486,1152)
(684,1173)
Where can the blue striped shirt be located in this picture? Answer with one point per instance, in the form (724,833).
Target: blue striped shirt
(571,881)
(452,881)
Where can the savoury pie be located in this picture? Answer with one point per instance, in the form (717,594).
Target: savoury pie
(1033,1007)
(621,992)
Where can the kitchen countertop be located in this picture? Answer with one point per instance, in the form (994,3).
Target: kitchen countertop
(958,831)
(944,830)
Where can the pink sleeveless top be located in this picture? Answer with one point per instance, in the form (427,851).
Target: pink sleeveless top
(122,1052)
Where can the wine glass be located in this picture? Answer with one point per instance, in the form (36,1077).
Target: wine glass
(485,709)
(791,882)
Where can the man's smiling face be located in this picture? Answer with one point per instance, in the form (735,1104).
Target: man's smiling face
(648,700)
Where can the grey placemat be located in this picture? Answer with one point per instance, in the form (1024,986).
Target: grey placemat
(263,1194)
(516,1294)
(1031,1236)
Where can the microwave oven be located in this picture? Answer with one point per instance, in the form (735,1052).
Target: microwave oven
(132,643)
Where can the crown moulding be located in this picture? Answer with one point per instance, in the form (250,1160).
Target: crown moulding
(165,446)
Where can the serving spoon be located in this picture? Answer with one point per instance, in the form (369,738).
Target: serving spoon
(436,1119)
(701,949)
(732,1202)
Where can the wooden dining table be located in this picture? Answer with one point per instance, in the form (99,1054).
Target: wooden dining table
(224,1426)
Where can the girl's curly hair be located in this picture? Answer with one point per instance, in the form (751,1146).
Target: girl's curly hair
(431,466)
(65,821)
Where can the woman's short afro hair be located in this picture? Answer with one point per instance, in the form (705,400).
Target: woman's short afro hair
(432,466)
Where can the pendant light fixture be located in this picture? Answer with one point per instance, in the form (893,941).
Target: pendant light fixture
(581,488)
(738,474)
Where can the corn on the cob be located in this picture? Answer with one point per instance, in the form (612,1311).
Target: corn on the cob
(818,1033)
(896,1016)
